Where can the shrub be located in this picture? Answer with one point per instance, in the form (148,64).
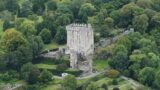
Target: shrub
(30,73)
(69,83)
(46,76)
(113,73)
(116,88)
(114,82)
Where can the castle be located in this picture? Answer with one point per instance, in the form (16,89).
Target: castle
(80,45)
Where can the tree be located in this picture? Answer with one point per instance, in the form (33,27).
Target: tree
(13,39)
(25,70)
(69,83)
(157,79)
(51,5)
(17,49)
(7,24)
(26,9)
(16,59)
(2,5)
(110,22)
(140,23)
(60,36)
(27,27)
(36,44)
(46,76)
(92,86)
(46,36)
(30,73)
(48,23)
(156,5)
(155,21)
(63,20)
(33,76)
(87,9)
(12,6)
(144,3)
(75,7)
(127,13)
(38,6)
(147,76)
(104,86)
(125,41)
(120,59)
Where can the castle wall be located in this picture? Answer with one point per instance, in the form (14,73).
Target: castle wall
(80,41)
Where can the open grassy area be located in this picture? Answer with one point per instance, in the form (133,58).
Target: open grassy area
(1,28)
(53,85)
(100,64)
(50,46)
(45,66)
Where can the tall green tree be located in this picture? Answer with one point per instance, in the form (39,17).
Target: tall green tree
(61,36)
(147,76)
(87,9)
(140,23)
(46,36)
(12,6)
(17,49)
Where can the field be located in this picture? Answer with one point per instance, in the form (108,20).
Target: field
(46,66)
(1,28)
(100,64)
(50,46)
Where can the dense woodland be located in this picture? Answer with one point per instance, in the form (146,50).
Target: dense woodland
(28,25)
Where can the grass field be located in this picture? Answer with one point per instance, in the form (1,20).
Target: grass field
(1,28)
(100,64)
(45,66)
(50,46)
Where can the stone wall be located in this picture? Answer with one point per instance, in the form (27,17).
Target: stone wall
(80,43)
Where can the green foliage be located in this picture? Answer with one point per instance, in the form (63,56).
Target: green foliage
(26,27)
(51,5)
(13,39)
(140,23)
(113,73)
(145,3)
(46,36)
(157,79)
(61,36)
(30,73)
(69,83)
(36,45)
(147,76)
(86,10)
(7,24)
(26,9)
(92,86)
(12,5)
(46,76)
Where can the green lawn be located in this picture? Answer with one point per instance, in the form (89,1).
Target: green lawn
(50,46)
(1,28)
(45,66)
(52,87)
(100,64)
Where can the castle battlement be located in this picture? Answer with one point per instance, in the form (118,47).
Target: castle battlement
(76,26)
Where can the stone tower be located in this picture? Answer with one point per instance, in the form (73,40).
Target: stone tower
(80,44)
